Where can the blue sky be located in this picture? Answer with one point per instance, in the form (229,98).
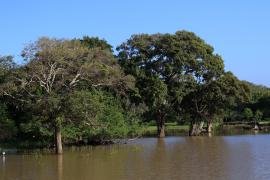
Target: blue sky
(239,30)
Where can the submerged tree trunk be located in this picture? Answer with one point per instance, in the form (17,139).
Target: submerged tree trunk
(196,128)
(58,141)
(60,167)
(160,125)
(161,131)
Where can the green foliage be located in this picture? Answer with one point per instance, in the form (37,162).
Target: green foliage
(216,99)
(97,116)
(6,64)
(258,115)
(257,101)
(95,42)
(263,105)
(168,67)
(248,114)
(257,92)
(36,129)
(7,125)
(54,70)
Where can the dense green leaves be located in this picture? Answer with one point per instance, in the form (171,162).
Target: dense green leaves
(7,125)
(248,114)
(172,67)
(95,42)
(96,116)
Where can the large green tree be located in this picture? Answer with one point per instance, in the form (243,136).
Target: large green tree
(167,67)
(54,69)
(211,99)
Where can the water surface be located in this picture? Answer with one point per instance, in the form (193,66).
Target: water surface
(210,158)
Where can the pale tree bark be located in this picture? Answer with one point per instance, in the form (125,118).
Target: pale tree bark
(58,140)
(161,130)
(209,126)
(196,128)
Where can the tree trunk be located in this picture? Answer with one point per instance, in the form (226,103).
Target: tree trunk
(209,127)
(161,131)
(58,141)
(196,128)
(160,125)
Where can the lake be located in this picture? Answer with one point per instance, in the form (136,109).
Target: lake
(211,158)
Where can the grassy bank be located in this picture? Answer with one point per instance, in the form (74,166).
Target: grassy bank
(236,127)
(170,129)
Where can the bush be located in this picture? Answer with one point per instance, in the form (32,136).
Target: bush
(97,116)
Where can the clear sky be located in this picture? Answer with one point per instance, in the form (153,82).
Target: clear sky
(239,30)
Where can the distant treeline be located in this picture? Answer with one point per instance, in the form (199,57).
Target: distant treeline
(79,91)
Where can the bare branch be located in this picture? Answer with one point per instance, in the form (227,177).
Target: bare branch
(74,80)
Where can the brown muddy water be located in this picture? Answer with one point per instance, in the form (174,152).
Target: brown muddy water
(205,158)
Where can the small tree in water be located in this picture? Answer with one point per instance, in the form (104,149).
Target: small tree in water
(257,117)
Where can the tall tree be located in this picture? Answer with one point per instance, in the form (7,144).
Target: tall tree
(176,63)
(55,68)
